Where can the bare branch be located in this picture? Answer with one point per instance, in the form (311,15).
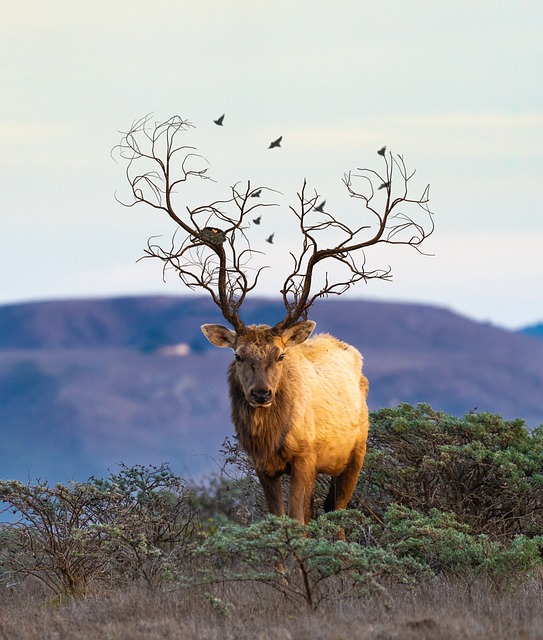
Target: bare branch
(211,248)
(214,251)
(393,222)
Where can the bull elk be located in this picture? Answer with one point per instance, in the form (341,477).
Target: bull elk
(298,403)
(298,407)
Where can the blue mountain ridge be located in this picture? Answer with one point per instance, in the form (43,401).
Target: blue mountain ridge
(87,384)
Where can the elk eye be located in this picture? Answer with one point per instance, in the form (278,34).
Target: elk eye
(237,357)
(281,357)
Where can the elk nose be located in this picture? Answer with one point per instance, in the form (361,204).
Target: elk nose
(261,396)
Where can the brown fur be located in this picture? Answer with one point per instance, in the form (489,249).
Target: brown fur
(316,420)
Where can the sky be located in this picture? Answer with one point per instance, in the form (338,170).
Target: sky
(455,88)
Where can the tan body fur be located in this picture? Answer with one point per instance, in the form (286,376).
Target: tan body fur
(315,419)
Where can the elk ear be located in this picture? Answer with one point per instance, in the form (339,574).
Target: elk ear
(298,333)
(219,336)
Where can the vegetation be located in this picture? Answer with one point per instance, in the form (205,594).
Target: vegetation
(443,504)
(486,470)
(132,526)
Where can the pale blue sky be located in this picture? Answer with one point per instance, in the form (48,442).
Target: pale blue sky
(454,87)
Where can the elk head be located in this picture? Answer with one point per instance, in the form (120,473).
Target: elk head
(260,352)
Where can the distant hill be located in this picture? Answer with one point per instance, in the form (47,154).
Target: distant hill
(535,331)
(86,384)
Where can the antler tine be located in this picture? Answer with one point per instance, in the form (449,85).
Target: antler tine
(298,306)
(301,302)
(228,305)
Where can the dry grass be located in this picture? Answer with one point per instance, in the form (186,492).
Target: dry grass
(438,610)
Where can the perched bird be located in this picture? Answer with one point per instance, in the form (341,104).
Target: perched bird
(270,238)
(381,151)
(320,208)
(257,220)
(219,120)
(256,194)
(385,185)
(276,143)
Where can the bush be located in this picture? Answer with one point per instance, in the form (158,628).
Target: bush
(351,554)
(300,561)
(234,494)
(133,525)
(447,547)
(486,470)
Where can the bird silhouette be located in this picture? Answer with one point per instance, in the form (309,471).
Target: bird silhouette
(270,238)
(385,185)
(381,151)
(256,194)
(219,120)
(257,220)
(276,143)
(320,208)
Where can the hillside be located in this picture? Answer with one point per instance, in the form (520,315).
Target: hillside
(535,330)
(86,384)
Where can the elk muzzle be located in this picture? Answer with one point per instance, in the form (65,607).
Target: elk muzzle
(260,397)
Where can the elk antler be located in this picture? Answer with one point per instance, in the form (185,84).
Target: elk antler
(214,252)
(394,225)
(209,256)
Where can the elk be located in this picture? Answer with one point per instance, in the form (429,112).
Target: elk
(298,407)
(298,403)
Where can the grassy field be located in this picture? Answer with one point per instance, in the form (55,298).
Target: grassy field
(440,609)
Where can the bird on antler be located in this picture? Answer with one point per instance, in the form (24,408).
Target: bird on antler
(257,220)
(385,185)
(381,151)
(276,143)
(320,207)
(270,238)
(219,121)
(256,194)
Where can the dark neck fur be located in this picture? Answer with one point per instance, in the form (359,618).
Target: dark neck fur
(261,432)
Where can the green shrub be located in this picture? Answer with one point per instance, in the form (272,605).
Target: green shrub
(446,546)
(153,514)
(486,470)
(300,561)
(354,555)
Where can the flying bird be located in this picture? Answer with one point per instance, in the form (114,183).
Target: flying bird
(385,185)
(219,120)
(257,220)
(320,207)
(381,151)
(270,238)
(276,143)
(256,194)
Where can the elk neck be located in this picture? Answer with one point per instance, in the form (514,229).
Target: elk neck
(261,431)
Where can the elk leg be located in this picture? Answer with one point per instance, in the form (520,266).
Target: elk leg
(273,493)
(302,485)
(342,486)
